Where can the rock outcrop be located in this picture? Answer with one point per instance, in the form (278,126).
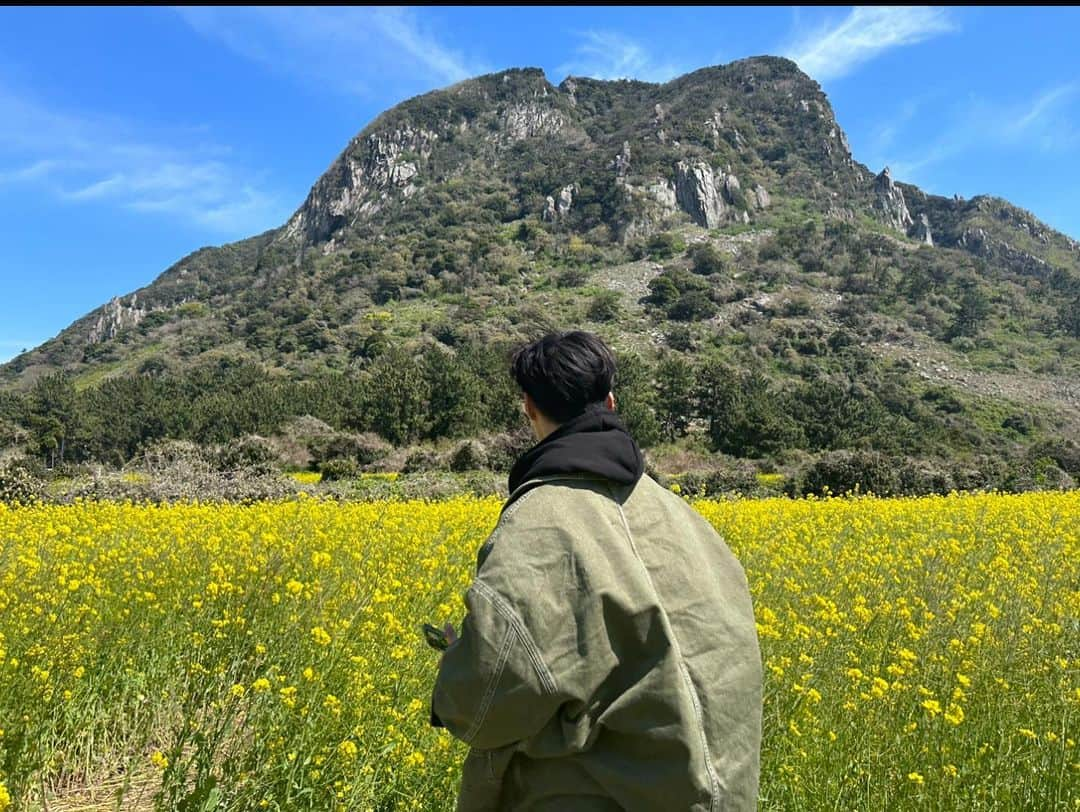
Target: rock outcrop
(761,197)
(115,316)
(982,244)
(621,164)
(697,193)
(530,120)
(889,203)
(352,185)
(558,207)
(921,231)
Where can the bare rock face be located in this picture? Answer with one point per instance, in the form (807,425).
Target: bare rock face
(697,193)
(549,213)
(621,164)
(714,126)
(889,202)
(529,120)
(980,243)
(569,86)
(731,187)
(565,201)
(761,197)
(115,317)
(555,208)
(922,230)
(356,181)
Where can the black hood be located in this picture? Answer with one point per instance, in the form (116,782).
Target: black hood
(594,442)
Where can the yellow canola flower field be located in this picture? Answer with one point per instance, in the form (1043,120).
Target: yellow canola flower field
(919,653)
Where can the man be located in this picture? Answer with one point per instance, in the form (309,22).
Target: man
(608,659)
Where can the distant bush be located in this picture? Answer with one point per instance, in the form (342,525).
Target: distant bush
(20,483)
(844,471)
(338,469)
(572,277)
(251,452)
(421,460)
(695,305)
(605,306)
(468,456)
(921,477)
(706,259)
(664,245)
(363,449)
(504,449)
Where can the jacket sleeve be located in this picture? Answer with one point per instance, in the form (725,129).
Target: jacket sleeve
(493,687)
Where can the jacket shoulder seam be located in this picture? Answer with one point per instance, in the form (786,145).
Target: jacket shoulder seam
(501,606)
(491,539)
(493,682)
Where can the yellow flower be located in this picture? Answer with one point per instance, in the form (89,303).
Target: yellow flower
(347,750)
(237,690)
(320,635)
(955,714)
(159,760)
(915,778)
(5,798)
(261,685)
(1027,733)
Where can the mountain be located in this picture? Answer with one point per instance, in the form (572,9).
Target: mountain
(721,212)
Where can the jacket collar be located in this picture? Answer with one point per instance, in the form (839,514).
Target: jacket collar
(592,445)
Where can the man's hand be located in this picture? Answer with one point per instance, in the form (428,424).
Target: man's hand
(451,636)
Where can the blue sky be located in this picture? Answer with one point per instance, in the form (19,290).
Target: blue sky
(130,137)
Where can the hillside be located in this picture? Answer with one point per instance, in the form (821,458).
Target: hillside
(718,218)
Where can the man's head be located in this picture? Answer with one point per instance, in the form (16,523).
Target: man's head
(561,374)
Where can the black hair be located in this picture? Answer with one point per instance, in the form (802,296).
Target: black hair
(564,372)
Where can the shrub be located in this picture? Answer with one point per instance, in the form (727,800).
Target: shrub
(19,484)
(706,259)
(572,278)
(665,245)
(421,460)
(339,468)
(504,449)
(468,456)
(921,477)
(1021,422)
(694,305)
(605,306)
(252,452)
(844,471)
(363,449)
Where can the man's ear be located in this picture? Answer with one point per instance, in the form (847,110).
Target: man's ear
(530,407)
(609,401)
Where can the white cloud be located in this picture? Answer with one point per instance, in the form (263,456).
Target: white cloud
(610,55)
(351,50)
(1042,124)
(1040,116)
(867,31)
(85,159)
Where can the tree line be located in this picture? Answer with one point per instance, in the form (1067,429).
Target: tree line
(411,395)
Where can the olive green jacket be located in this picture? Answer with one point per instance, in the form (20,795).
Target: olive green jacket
(608,658)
